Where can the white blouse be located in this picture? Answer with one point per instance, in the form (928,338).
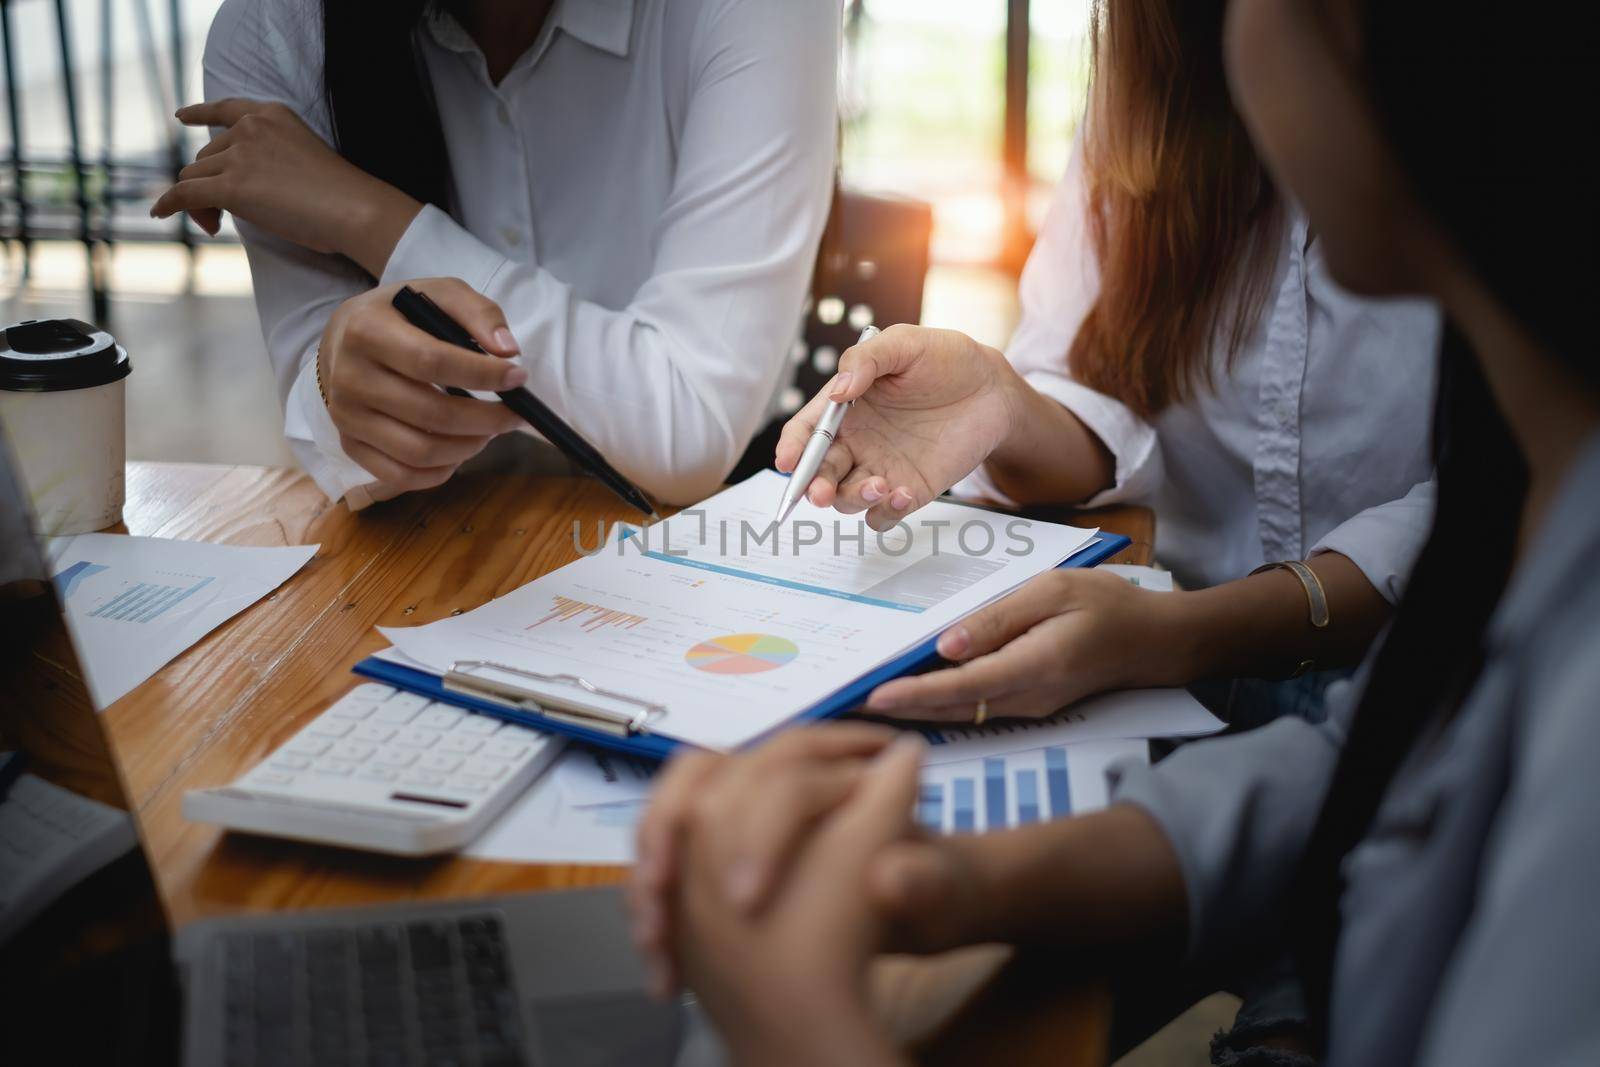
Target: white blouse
(1317,439)
(642,194)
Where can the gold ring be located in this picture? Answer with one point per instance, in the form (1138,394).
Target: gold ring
(981,714)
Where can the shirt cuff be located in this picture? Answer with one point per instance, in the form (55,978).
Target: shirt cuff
(1131,441)
(1384,542)
(978,486)
(436,244)
(314,439)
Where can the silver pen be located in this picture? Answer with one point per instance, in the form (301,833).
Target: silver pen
(817,446)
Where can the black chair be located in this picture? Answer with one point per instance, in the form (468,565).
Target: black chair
(870,271)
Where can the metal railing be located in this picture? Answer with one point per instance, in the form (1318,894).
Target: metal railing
(96,194)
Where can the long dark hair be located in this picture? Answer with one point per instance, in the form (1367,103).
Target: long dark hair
(1181,215)
(1498,163)
(383,113)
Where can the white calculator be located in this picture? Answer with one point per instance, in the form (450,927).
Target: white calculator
(383,770)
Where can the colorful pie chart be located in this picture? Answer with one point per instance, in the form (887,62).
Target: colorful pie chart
(742,654)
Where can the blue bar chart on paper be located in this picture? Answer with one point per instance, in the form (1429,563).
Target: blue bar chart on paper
(131,599)
(145,601)
(136,602)
(1006,791)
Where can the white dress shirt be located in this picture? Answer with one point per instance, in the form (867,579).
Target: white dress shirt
(642,194)
(1318,438)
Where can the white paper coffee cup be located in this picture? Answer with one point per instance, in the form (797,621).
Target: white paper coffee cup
(62,406)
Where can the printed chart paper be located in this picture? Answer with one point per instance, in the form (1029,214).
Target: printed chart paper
(594,776)
(594,821)
(1132,713)
(1003,792)
(732,625)
(135,603)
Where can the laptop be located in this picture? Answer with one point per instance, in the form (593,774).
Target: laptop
(90,971)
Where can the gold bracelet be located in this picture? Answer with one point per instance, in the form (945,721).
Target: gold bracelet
(316,369)
(1316,596)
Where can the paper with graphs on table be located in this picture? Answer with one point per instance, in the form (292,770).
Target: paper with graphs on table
(588,809)
(732,625)
(1131,713)
(135,603)
(593,776)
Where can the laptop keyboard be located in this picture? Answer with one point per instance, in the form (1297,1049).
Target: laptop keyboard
(427,993)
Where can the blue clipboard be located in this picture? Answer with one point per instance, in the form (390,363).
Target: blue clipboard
(651,746)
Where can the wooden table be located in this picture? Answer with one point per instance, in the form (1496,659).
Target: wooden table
(225,704)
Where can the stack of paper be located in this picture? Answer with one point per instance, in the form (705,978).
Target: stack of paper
(730,625)
(974,779)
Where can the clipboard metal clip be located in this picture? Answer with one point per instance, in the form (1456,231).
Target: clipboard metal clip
(464,677)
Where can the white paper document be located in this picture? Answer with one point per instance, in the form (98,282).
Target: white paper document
(592,776)
(729,625)
(1002,792)
(1132,713)
(589,776)
(574,814)
(134,603)
(541,826)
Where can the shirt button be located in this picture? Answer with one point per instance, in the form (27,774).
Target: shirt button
(503,113)
(512,235)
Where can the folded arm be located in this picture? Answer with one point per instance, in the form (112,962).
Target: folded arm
(670,386)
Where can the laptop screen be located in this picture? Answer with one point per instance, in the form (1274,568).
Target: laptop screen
(85,955)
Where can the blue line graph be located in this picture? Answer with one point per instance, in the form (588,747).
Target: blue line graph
(767,579)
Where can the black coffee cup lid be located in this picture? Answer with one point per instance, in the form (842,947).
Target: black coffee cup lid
(53,355)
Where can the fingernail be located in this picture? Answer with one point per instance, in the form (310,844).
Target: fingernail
(954,642)
(515,376)
(871,492)
(744,879)
(900,499)
(841,385)
(881,701)
(504,341)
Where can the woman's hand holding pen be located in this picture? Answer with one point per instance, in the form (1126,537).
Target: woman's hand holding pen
(930,406)
(383,377)
(271,170)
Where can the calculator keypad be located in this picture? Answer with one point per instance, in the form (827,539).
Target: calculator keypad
(376,740)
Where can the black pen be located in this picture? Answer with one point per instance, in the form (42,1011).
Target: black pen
(431,319)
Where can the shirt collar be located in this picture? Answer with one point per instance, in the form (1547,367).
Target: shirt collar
(603,24)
